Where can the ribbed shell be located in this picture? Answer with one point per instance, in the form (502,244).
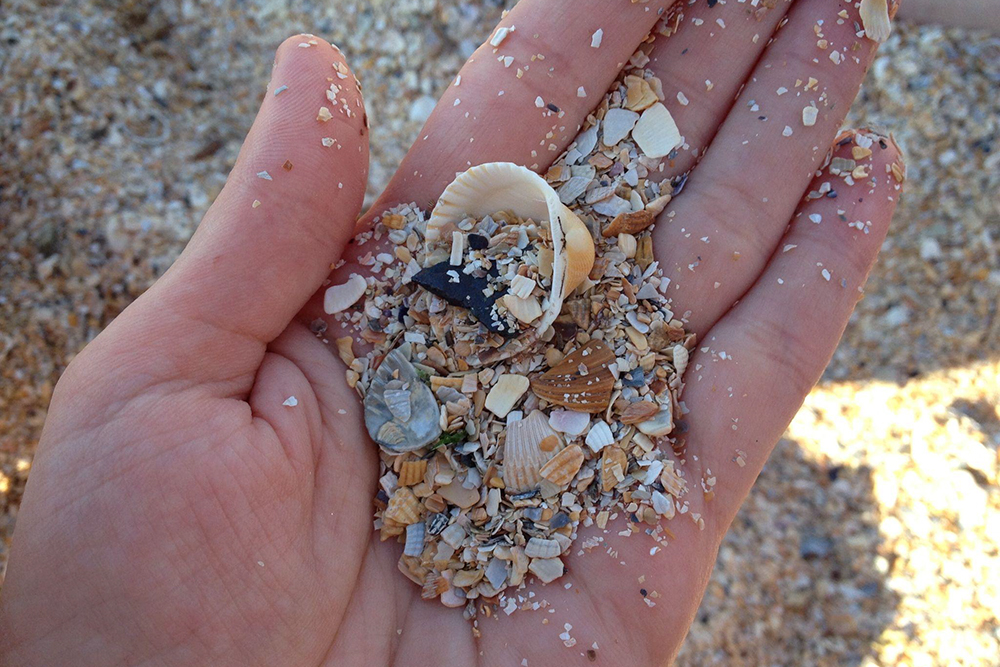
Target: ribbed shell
(523,457)
(384,425)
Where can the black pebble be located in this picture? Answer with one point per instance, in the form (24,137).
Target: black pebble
(477,242)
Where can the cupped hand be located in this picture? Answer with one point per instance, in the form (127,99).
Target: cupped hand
(184,508)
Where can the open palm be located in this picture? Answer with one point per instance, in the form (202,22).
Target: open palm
(182,510)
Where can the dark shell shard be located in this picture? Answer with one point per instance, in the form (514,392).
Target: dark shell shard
(468,292)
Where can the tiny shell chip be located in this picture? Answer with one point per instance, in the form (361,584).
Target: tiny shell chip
(614,465)
(656,132)
(414,539)
(412,472)
(546,569)
(538,547)
(617,124)
(403,507)
(639,411)
(599,436)
(562,468)
(341,297)
(659,424)
(875,19)
(509,388)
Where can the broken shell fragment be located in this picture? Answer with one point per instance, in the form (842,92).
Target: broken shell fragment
(614,465)
(546,569)
(414,539)
(508,389)
(875,19)
(599,436)
(403,507)
(341,297)
(412,472)
(659,424)
(562,468)
(397,376)
(503,186)
(582,381)
(639,411)
(629,223)
(530,444)
(656,133)
(457,494)
(538,547)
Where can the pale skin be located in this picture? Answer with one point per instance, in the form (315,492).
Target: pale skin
(178,513)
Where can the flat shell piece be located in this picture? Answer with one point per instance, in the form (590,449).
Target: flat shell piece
(546,569)
(341,297)
(509,388)
(414,539)
(582,381)
(659,424)
(562,468)
(456,494)
(390,432)
(617,124)
(629,223)
(538,547)
(614,465)
(656,132)
(639,411)
(875,19)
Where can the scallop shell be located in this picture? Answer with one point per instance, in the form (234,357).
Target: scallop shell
(397,392)
(504,186)
(562,468)
(403,507)
(524,453)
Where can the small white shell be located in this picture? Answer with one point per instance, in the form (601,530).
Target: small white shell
(538,547)
(546,569)
(663,505)
(453,535)
(496,573)
(656,133)
(599,436)
(414,539)
(569,422)
(875,19)
(509,388)
(681,355)
(341,297)
(617,124)
(659,424)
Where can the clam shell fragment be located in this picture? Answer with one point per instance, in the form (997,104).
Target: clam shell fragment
(401,413)
(530,443)
(582,381)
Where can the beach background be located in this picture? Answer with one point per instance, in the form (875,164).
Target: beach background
(873,534)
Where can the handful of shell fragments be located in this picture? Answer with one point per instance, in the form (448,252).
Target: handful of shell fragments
(526,368)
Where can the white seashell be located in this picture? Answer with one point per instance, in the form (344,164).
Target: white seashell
(617,124)
(573,188)
(496,573)
(421,427)
(648,292)
(546,569)
(522,286)
(414,539)
(599,194)
(523,453)
(656,133)
(453,536)
(454,597)
(526,310)
(569,422)
(636,323)
(681,356)
(586,141)
(492,502)
(612,206)
(496,186)
(509,388)
(650,472)
(875,19)
(599,436)
(398,402)
(663,505)
(627,244)
(538,547)
(341,297)
(659,424)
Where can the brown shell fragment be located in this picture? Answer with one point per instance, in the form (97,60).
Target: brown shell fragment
(412,472)
(614,464)
(581,382)
(637,412)
(629,223)
(562,468)
(403,507)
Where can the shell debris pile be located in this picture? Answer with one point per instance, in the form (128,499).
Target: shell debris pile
(526,369)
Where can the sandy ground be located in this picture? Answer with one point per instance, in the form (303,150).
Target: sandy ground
(872,536)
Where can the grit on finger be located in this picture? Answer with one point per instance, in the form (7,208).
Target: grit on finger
(720,234)
(755,367)
(703,63)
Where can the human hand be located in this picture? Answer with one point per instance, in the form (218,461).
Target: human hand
(179,512)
